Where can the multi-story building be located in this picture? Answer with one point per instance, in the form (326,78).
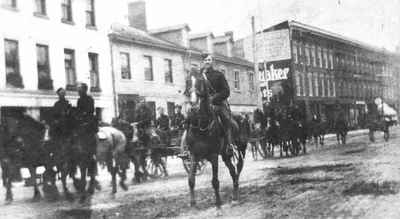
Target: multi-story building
(47,44)
(153,64)
(238,71)
(316,68)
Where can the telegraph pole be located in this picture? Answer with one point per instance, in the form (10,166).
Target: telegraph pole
(256,73)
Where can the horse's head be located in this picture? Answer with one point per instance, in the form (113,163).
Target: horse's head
(196,88)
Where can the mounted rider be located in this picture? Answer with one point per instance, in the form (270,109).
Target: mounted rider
(85,109)
(178,119)
(219,92)
(162,125)
(60,112)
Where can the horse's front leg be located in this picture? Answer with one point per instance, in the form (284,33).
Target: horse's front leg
(215,182)
(113,169)
(122,176)
(36,192)
(234,174)
(64,174)
(92,171)
(6,176)
(192,180)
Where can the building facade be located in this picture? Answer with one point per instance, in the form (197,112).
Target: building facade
(153,65)
(238,71)
(146,68)
(49,44)
(322,69)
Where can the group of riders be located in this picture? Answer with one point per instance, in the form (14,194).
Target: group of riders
(282,122)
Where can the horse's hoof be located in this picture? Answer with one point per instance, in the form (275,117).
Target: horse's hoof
(69,197)
(123,186)
(97,186)
(90,190)
(235,202)
(36,198)
(192,203)
(218,212)
(82,200)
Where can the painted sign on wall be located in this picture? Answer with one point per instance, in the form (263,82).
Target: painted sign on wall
(273,46)
(275,81)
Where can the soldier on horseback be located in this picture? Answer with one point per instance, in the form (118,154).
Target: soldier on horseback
(61,111)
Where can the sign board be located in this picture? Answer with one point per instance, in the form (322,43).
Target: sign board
(273,46)
(275,81)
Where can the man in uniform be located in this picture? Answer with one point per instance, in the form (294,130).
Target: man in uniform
(61,110)
(178,120)
(162,124)
(219,93)
(85,105)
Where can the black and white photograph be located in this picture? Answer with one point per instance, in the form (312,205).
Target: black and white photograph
(199,109)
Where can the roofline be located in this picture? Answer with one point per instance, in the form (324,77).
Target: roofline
(223,58)
(337,37)
(201,35)
(169,29)
(124,39)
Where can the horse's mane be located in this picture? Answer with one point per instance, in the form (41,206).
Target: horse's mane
(28,121)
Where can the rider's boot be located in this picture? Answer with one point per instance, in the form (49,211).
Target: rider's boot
(229,145)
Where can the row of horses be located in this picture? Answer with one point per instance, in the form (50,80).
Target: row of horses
(290,135)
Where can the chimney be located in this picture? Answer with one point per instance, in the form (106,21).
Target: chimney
(229,34)
(137,15)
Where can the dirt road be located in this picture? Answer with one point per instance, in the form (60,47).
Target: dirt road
(359,180)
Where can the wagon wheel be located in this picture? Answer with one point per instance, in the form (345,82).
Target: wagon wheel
(156,166)
(201,165)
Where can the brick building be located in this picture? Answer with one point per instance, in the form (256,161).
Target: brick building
(324,68)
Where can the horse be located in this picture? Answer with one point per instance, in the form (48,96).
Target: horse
(340,127)
(111,144)
(22,142)
(317,130)
(205,140)
(84,147)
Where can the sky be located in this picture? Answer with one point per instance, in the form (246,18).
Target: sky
(375,22)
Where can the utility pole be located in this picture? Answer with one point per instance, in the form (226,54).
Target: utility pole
(253,30)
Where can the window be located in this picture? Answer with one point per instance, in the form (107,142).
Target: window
(307,54)
(13,76)
(319,51)
(300,46)
(171,109)
(69,62)
(237,80)
(310,85)
(9,3)
(94,72)
(316,85)
(125,65)
(168,71)
(251,81)
(43,67)
(294,51)
(298,85)
(331,59)
(148,68)
(66,10)
(325,51)
(40,7)
(313,56)
(90,14)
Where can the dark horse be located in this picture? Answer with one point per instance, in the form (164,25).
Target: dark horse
(22,146)
(205,140)
(84,145)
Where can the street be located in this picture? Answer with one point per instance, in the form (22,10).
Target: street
(358,180)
